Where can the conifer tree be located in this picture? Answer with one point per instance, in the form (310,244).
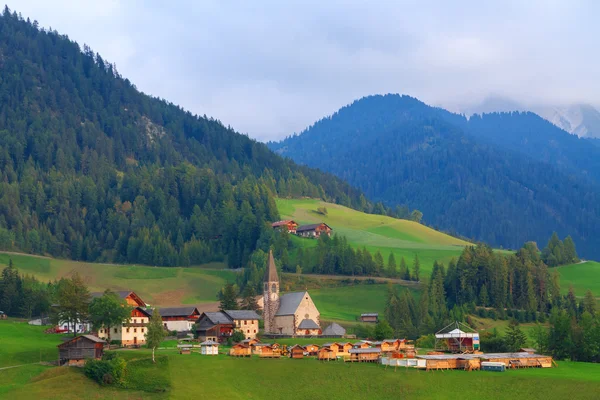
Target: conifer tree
(416,268)
(514,338)
(391,266)
(228,298)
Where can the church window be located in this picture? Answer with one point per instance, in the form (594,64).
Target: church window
(273,288)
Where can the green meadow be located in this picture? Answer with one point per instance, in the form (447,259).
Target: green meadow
(376,232)
(582,276)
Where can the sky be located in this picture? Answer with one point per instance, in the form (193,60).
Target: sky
(272,68)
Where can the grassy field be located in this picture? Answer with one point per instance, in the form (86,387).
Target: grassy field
(582,276)
(376,232)
(157,285)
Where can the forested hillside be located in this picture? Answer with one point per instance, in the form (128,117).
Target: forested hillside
(92,169)
(401,151)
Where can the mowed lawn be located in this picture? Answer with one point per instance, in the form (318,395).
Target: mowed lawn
(376,232)
(157,285)
(582,276)
(21,343)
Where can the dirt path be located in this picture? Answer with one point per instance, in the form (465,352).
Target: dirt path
(16,366)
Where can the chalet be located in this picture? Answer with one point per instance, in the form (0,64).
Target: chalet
(344,348)
(133,331)
(250,342)
(220,325)
(314,230)
(334,330)
(270,351)
(209,348)
(287,224)
(79,349)
(361,345)
(297,351)
(363,355)
(240,350)
(326,353)
(369,317)
(334,347)
(180,319)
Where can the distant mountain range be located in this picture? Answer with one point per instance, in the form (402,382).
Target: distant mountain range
(503,178)
(579,119)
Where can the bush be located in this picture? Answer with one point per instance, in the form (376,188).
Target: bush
(238,336)
(426,341)
(106,372)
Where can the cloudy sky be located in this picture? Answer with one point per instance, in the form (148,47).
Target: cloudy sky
(271,68)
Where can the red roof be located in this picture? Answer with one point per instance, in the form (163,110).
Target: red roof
(283,223)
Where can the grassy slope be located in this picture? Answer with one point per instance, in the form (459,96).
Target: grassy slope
(582,276)
(376,232)
(156,285)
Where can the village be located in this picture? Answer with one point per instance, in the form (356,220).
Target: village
(287,317)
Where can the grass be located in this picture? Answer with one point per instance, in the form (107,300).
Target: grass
(156,285)
(21,343)
(582,276)
(376,232)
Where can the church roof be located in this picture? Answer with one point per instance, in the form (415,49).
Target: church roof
(289,302)
(271,270)
(334,330)
(308,324)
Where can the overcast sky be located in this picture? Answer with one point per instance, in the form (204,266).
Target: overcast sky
(271,68)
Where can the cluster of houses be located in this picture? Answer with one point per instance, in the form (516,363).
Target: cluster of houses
(309,231)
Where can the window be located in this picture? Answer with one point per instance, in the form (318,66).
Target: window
(134,320)
(266,287)
(273,288)
(245,322)
(255,331)
(127,330)
(134,330)
(142,330)
(115,330)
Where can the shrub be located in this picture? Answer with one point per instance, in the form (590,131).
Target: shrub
(426,341)
(238,336)
(106,372)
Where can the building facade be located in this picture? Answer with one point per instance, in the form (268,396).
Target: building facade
(132,332)
(314,230)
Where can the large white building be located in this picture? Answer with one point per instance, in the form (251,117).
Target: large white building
(133,332)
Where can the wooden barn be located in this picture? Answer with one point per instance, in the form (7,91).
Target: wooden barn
(326,353)
(369,317)
(297,351)
(240,350)
(288,224)
(79,349)
(363,355)
(312,349)
(209,348)
(314,230)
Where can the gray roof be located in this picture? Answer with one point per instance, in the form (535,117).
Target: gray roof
(334,330)
(356,351)
(92,338)
(218,317)
(242,314)
(174,311)
(328,344)
(271,270)
(308,324)
(310,227)
(208,343)
(289,302)
(374,314)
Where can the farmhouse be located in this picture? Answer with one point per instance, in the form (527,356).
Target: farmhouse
(292,314)
(220,325)
(287,224)
(311,349)
(180,319)
(369,317)
(314,230)
(79,349)
(132,332)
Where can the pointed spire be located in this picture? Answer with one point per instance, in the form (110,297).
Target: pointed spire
(271,270)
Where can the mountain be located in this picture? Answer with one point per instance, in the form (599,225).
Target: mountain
(93,169)
(401,151)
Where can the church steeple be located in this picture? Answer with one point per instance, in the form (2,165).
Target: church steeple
(270,294)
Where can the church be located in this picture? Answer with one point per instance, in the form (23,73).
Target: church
(292,314)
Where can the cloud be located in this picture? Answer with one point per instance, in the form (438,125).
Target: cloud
(273,68)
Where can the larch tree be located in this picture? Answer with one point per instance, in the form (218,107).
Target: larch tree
(155,332)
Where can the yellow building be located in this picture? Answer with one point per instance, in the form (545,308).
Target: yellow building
(132,332)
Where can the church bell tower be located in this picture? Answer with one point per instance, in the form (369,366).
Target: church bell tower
(270,294)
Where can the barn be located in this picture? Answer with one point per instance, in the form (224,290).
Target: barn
(79,349)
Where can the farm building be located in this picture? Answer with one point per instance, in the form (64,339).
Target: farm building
(287,224)
(344,348)
(220,325)
(314,230)
(361,345)
(250,342)
(312,349)
(180,319)
(292,314)
(132,332)
(473,361)
(79,349)
(369,317)
(325,353)
(457,338)
(209,348)
(519,360)
(334,330)
(363,355)
(240,350)
(334,347)
(387,345)
(270,351)
(297,351)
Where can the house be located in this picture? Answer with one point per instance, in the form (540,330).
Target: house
(334,330)
(270,351)
(334,347)
(297,351)
(364,355)
(344,348)
(361,345)
(132,332)
(293,314)
(314,230)
(287,224)
(209,348)
(180,319)
(220,325)
(369,317)
(240,350)
(250,342)
(79,349)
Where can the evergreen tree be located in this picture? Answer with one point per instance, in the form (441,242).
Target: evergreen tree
(514,338)
(249,299)
(404,271)
(391,266)
(416,268)
(228,298)
(569,252)
(383,330)
(589,303)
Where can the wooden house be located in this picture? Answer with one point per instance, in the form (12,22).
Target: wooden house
(270,351)
(335,347)
(314,230)
(312,349)
(363,355)
(361,345)
(209,348)
(240,350)
(79,349)
(385,346)
(344,348)
(326,353)
(250,342)
(288,224)
(297,351)
(369,317)
(519,360)
(220,325)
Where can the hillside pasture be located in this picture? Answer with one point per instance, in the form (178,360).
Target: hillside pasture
(582,276)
